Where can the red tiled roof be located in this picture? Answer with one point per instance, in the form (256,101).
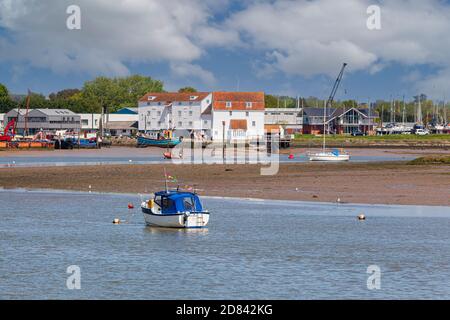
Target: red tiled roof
(174,96)
(272,127)
(236,124)
(238,100)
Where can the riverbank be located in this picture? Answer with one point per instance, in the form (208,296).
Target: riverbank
(372,183)
(411,141)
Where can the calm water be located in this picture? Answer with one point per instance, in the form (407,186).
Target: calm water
(127,155)
(251,250)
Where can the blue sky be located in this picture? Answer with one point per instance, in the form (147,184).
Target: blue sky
(280,47)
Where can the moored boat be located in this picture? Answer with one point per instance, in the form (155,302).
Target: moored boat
(175,209)
(333,155)
(148,142)
(163,139)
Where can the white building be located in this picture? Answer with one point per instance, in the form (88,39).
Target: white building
(2,124)
(90,121)
(44,120)
(182,112)
(291,119)
(238,115)
(120,123)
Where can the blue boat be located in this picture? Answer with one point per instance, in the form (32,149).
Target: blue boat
(175,209)
(164,139)
(163,143)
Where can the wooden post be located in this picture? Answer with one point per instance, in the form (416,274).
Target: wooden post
(223,140)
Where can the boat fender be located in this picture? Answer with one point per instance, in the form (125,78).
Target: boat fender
(130,206)
(150,204)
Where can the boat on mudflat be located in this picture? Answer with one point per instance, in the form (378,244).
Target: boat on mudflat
(333,155)
(175,209)
(163,143)
(162,139)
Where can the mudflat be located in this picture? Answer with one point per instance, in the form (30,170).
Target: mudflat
(373,183)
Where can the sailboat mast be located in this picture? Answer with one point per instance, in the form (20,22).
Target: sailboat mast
(324,121)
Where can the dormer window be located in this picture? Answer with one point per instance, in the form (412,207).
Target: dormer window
(228,104)
(151,98)
(193,97)
(248,105)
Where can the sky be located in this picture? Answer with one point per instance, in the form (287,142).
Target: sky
(283,47)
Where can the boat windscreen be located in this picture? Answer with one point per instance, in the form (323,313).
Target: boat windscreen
(168,205)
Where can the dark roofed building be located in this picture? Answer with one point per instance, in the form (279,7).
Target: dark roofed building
(339,120)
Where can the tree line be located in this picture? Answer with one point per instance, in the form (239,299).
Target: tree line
(116,93)
(110,93)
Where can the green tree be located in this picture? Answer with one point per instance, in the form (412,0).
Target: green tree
(132,88)
(271,101)
(101,93)
(3,91)
(187,90)
(63,94)
(6,104)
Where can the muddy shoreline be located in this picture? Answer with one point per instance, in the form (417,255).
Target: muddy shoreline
(372,183)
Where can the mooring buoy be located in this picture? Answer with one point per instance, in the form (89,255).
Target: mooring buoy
(116,221)
(361,217)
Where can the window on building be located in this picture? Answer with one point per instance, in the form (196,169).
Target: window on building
(159,123)
(159,103)
(179,113)
(193,97)
(231,113)
(228,104)
(247,114)
(149,113)
(205,121)
(253,123)
(179,103)
(190,113)
(248,104)
(151,98)
(190,123)
(158,113)
(84,122)
(180,124)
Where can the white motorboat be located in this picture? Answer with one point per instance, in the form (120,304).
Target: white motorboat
(175,209)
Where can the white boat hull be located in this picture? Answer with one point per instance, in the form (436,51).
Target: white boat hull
(329,157)
(181,220)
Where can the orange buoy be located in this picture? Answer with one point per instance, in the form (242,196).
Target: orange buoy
(167,155)
(130,206)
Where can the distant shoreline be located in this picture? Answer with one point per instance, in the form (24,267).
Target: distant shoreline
(370,183)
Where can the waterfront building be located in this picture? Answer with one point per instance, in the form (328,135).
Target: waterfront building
(238,115)
(185,113)
(44,120)
(2,124)
(290,119)
(339,120)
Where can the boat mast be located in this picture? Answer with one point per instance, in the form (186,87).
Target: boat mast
(165,180)
(324,117)
(403,111)
(26,114)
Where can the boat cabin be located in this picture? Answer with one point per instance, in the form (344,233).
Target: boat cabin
(175,202)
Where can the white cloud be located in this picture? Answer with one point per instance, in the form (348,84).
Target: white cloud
(187,70)
(113,33)
(315,37)
(302,37)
